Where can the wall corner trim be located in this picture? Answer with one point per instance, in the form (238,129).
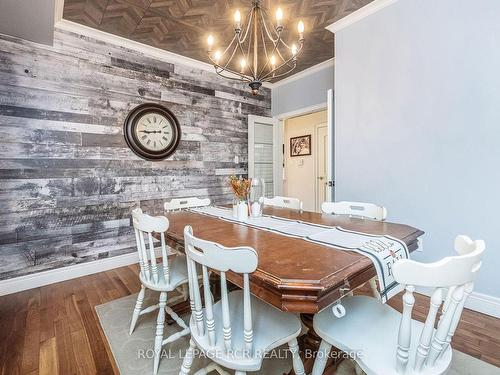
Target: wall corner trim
(359,14)
(479,302)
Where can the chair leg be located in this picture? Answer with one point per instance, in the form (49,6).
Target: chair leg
(160,323)
(188,359)
(373,286)
(321,358)
(298,366)
(137,309)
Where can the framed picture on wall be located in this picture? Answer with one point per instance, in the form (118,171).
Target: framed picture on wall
(300,146)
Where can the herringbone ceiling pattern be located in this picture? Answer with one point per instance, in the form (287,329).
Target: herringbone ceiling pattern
(181,26)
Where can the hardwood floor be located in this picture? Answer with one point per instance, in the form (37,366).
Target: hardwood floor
(54,329)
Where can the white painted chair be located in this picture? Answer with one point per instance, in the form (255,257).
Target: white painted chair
(359,209)
(162,277)
(284,202)
(239,329)
(417,348)
(183,203)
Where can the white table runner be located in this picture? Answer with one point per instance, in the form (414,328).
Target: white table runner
(382,250)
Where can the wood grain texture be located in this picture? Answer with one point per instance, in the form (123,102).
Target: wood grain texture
(182,26)
(293,274)
(35,324)
(68,180)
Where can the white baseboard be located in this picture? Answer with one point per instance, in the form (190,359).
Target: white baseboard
(479,302)
(35,280)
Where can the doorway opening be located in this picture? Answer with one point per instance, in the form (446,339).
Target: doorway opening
(305,158)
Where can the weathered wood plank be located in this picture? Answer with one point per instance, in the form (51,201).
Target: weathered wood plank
(67,179)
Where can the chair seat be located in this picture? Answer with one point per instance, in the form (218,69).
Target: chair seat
(371,328)
(271,328)
(178,275)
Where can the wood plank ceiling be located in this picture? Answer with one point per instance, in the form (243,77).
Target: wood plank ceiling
(181,26)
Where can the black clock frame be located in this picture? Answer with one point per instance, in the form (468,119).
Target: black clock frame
(133,142)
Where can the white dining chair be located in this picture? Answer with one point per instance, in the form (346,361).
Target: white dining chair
(188,202)
(284,202)
(163,277)
(237,331)
(359,209)
(370,327)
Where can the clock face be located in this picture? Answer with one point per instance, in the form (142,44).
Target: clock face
(152,131)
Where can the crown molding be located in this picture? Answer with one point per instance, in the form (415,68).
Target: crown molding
(359,14)
(154,52)
(306,72)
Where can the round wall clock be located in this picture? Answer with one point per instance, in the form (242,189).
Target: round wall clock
(152,131)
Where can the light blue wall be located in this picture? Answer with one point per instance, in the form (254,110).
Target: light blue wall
(417,91)
(307,91)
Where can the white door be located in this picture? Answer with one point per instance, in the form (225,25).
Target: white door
(321,165)
(265,156)
(330,167)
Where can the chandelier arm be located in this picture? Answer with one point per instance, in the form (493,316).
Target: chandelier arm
(248,54)
(229,46)
(231,57)
(250,18)
(265,51)
(268,79)
(239,77)
(285,63)
(266,29)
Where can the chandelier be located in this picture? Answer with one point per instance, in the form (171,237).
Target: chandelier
(257,53)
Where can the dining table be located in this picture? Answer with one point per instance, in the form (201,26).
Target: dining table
(293,274)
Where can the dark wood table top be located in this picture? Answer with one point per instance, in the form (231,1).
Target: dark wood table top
(294,274)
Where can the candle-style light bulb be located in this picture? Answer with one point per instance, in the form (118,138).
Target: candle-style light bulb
(243,64)
(279,17)
(210,42)
(300,28)
(237,19)
(217,56)
(272,60)
(294,50)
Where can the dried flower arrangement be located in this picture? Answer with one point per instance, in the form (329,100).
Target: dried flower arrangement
(240,186)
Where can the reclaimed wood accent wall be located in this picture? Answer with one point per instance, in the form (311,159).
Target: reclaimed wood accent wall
(68,181)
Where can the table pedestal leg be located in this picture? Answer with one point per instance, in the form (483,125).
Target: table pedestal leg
(309,345)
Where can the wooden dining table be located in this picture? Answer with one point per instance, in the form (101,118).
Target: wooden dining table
(293,274)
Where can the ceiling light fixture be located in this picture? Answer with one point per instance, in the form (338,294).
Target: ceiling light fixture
(258,37)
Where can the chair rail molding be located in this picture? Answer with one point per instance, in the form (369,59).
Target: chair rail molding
(359,14)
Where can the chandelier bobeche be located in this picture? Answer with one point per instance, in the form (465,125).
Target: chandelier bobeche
(259,33)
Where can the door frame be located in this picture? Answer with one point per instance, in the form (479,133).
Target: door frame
(316,163)
(282,117)
(277,152)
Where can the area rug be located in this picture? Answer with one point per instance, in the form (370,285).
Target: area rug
(133,353)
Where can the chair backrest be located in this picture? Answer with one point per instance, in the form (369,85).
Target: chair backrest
(360,209)
(453,280)
(188,202)
(210,255)
(144,227)
(285,202)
